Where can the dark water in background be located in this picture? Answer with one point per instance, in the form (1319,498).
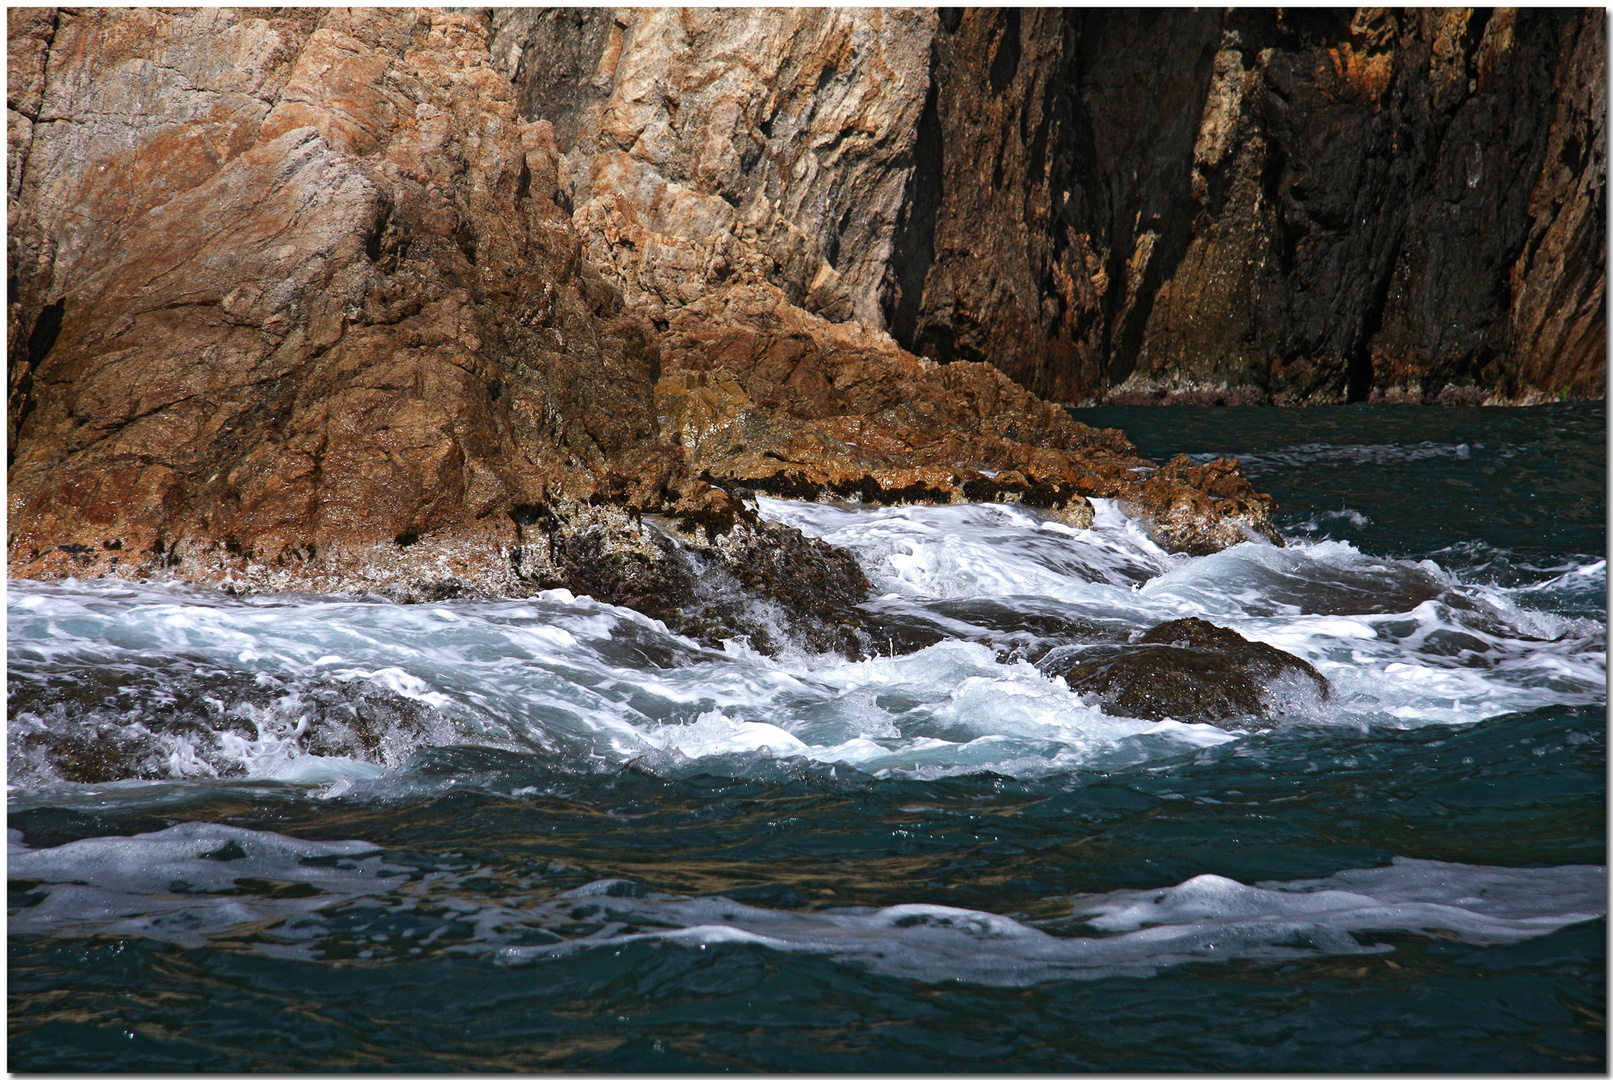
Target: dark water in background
(954,865)
(1470,482)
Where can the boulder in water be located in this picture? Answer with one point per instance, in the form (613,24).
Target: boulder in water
(1193,671)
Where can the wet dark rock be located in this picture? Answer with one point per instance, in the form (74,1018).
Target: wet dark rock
(749,578)
(1193,671)
(1201,509)
(102,725)
(1322,589)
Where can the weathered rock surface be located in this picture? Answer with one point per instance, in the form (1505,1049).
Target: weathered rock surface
(1297,206)
(1370,208)
(703,146)
(293,305)
(1193,671)
(274,290)
(309,319)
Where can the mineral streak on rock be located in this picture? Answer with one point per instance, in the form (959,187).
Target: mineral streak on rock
(1248,206)
(293,306)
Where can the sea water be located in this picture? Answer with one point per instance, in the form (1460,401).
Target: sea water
(328,832)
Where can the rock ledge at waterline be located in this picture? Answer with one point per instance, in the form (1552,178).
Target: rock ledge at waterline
(294,307)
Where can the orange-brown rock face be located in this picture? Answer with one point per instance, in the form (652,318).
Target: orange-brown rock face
(293,306)
(763,396)
(311,294)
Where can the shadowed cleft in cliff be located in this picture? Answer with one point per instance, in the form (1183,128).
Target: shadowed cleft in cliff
(1209,206)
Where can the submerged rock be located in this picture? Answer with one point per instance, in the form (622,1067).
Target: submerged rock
(1193,671)
(1014,629)
(123,722)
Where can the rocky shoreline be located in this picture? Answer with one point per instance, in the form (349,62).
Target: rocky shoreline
(316,300)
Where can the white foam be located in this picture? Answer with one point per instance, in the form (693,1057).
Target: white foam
(981,549)
(1403,644)
(197,882)
(713,733)
(1330,454)
(182,883)
(1478,904)
(1380,629)
(498,675)
(1207,918)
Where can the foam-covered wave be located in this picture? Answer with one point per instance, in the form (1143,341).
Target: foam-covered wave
(1328,454)
(981,549)
(1406,642)
(588,684)
(199,881)
(1130,932)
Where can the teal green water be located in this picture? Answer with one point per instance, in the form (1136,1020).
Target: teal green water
(410,968)
(1458,484)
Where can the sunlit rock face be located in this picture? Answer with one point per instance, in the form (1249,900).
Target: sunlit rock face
(306,302)
(405,301)
(293,308)
(703,147)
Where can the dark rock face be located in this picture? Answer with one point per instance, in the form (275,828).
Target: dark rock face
(1053,177)
(1378,178)
(1262,206)
(1191,670)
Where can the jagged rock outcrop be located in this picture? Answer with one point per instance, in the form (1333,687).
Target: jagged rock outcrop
(1265,206)
(293,305)
(301,290)
(297,317)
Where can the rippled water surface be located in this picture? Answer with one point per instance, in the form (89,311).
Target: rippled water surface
(332,833)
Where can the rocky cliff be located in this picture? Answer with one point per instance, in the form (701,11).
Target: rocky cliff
(1295,206)
(310,299)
